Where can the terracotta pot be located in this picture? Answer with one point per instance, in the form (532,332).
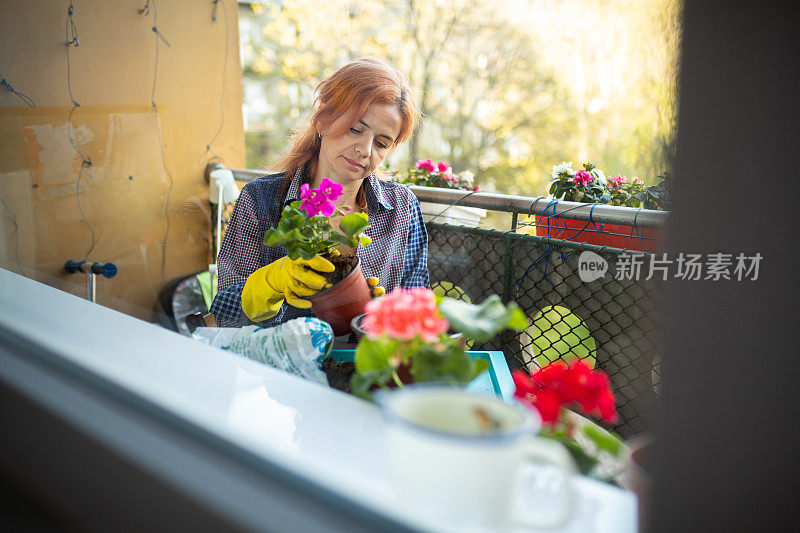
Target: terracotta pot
(626,237)
(339,304)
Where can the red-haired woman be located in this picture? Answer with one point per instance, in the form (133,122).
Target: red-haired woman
(362,112)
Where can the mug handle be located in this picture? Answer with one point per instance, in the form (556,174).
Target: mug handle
(547,451)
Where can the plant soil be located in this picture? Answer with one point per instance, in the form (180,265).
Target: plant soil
(338,373)
(344,264)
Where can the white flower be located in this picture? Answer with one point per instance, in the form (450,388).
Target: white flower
(563,167)
(600,176)
(466,176)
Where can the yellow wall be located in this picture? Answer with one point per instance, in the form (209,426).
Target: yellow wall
(115,126)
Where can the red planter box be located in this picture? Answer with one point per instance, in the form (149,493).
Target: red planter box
(613,235)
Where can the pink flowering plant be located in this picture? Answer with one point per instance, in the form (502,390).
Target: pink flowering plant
(590,185)
(429,174)
(408,338)
(584,185)
(305,227)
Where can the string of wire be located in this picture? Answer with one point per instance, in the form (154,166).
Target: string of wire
(16,236)
(224,71)
(72,40)
(22,96)
(160,38)
(452,204)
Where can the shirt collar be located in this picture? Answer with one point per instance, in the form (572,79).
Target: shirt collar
(373,192)
(294,188)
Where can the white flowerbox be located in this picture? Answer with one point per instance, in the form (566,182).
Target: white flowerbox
(457,215)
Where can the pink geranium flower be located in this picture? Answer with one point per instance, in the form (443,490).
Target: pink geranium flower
(426,165)
(405,314)
(582,177)
(331,189)
(442,166)
(320,200)
(617,181)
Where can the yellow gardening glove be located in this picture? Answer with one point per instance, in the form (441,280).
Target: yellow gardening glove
(374,288)
(284,279)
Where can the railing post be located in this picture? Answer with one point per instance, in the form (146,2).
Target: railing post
(510,339)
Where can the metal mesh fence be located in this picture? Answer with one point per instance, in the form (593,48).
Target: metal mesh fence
(610,320)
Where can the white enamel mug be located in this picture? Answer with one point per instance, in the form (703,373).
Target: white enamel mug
(460,457)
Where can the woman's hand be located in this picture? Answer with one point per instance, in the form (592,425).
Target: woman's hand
(283,279)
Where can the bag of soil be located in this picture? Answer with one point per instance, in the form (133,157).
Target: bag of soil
(297,346)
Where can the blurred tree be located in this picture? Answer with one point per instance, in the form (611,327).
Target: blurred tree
(507,89)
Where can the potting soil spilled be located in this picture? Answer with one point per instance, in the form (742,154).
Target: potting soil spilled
(338,373)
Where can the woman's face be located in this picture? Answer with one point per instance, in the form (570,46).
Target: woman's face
(355,154)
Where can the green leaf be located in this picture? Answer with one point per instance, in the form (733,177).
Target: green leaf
(518,319)
(558,333)
(449,363)
(484,321)
(605,440)
(585,462)
(272,237)
(353,224)
(632,202)
(364,239)
(360,384)
(338,238)
(373,354)
(298,249)
(297,221)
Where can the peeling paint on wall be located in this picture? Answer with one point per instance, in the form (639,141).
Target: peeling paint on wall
(50,152)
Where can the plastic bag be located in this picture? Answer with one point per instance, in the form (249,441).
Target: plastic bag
(297,346)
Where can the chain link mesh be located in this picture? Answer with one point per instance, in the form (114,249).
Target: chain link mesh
(612,320)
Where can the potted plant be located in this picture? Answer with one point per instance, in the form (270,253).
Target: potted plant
(558,391)
(426,173)
(305,230)
(590,185)
(658,196)
(408,338)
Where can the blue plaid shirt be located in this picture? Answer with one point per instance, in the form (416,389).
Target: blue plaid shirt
(397,256)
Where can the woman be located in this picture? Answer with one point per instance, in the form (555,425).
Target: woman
(363,111)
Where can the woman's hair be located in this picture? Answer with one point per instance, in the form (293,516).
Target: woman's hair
(349,91)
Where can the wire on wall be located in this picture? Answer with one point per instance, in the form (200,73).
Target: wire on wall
(159,38)
(16,236)
(22,96)
(86,163)
(214,11)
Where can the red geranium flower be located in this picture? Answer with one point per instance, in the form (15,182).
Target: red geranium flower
(559,384)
